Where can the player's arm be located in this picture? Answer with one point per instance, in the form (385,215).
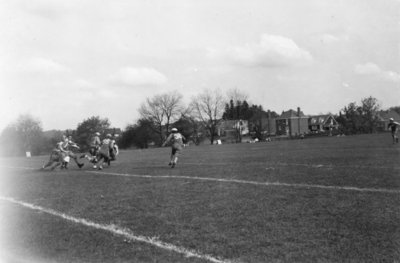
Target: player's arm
(116,149)
(74,145)
(167,140)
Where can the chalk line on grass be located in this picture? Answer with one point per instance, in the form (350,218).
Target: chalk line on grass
(18,167)
(117,230)
(299,185)
(348,188)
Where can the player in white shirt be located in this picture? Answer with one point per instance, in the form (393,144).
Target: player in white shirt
(394,127)
(176,140)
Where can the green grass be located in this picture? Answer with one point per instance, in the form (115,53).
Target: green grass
(229,220)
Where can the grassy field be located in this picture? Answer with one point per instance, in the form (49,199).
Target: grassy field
(332,199)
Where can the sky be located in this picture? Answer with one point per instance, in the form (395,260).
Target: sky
(65,61)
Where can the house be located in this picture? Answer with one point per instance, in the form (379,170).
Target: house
(227,126)
(292,123)
(263,123)
(322,123)
(383,118)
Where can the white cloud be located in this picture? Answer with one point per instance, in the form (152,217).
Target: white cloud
(374,70)
(43,65)
(328,38)
(271,51)
(129,76)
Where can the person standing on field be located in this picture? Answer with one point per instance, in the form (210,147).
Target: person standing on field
(394,127)
(176,140)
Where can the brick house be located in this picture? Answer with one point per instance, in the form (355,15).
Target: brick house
(292,123)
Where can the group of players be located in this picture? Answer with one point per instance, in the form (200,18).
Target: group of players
(104,151)
(100,152)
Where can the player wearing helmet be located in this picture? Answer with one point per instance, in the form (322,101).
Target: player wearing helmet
(394,127)
(113,149)
(176,140)
(104,152)
(93,149)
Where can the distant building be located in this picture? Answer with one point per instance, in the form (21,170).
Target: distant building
(383,118)
(322,123)
(292,123)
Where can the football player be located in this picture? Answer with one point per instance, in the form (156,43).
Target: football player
(176,140)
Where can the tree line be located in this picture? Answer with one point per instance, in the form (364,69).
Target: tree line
(196,121)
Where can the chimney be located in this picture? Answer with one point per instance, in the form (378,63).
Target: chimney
(298,115)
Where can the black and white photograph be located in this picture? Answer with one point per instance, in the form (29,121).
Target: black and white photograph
(183,131)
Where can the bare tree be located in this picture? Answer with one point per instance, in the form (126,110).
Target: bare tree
(236,95)
(162,110)
(208,107)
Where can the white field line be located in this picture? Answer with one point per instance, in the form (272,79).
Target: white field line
(329,166)
(347,188)
(114,229)
(19,167)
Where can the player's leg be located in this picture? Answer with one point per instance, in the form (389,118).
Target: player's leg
(75,158)
(54,156)
(171,156)
(175,154)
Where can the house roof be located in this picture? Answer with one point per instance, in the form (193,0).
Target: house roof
(291,114)
(321,119)
(385,115)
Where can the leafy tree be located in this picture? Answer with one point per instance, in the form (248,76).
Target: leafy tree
(162,110)
(24,135)
(190,128)
(369,109)
(396,109)
(359,119)
(139,135)
(88,127)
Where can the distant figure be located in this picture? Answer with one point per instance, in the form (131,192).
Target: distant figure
(176,140)
(394,126)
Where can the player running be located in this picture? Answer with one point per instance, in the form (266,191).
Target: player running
(176,140)
(114,150)
(70,146)
(57,155)
(394,126)
(60,155)
(104,152)
(94,147)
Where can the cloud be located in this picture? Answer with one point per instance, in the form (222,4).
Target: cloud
(374,70)
(271,51)
(129,76)
(43,65)
(47,8)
